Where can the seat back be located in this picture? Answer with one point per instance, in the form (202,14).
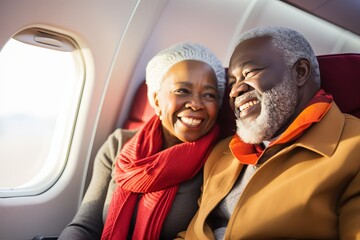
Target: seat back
(140,110)
(340,76)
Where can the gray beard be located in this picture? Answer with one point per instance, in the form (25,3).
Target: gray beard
(277,106)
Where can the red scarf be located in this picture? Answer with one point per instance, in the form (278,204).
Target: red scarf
(143,169)
(316,109)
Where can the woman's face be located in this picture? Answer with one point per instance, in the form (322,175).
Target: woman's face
(188,102)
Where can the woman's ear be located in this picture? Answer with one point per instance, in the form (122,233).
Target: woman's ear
(303,69)
(157,105)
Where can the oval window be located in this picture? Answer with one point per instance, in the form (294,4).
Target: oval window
(41,81)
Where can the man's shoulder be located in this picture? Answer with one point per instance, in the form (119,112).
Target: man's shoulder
(337,121)
(351,125)
(352,119)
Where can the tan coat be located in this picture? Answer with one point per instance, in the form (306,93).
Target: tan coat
(310,189)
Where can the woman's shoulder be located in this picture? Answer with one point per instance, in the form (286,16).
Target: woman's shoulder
(112,146)
(121,135)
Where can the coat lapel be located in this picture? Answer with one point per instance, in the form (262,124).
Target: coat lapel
(223,172)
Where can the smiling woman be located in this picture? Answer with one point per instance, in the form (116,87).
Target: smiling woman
(39,91)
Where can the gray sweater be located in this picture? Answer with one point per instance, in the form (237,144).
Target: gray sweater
(89,220)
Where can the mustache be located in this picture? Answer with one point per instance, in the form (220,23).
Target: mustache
(244,97)
(248,95)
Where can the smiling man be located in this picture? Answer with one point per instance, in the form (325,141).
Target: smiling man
(291,171)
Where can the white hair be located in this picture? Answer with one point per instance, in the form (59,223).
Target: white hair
(291,45)
(160,64)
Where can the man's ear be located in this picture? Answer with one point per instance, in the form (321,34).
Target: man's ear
(303,69)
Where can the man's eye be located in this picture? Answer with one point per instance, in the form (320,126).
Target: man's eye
(231,83)
(250,73)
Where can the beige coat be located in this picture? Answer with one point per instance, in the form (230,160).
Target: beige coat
(310,189)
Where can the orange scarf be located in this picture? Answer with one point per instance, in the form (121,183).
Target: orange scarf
(316,109)
(148,178)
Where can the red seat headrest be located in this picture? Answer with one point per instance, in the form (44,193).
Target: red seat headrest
(340,76)
(140,110)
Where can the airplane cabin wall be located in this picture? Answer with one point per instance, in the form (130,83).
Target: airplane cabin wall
(97,26)
(118,38)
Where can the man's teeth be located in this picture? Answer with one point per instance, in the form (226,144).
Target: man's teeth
(191,121)
(248,104)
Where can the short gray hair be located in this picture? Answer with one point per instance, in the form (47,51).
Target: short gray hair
(160,64)
(291,45)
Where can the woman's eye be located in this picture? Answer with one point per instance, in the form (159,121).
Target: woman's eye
(181,91)
(211,96)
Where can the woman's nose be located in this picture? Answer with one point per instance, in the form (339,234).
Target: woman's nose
(195,104)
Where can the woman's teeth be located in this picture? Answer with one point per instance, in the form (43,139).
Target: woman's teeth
(191,121)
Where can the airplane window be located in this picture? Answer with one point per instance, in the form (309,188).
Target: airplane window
(41,78)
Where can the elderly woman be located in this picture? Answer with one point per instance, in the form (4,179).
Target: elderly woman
(151,178)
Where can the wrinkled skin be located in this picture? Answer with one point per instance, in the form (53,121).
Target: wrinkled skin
(188,102)
(266,95)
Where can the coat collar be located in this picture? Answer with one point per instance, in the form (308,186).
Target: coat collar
(217,186)
(318,138)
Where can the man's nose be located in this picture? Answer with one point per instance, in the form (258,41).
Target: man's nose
(238,89)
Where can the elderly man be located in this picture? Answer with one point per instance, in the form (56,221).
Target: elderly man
(291,171)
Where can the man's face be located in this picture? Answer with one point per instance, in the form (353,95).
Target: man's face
(263,94)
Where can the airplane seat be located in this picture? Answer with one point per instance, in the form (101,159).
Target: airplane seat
(340,76)
(140,110)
